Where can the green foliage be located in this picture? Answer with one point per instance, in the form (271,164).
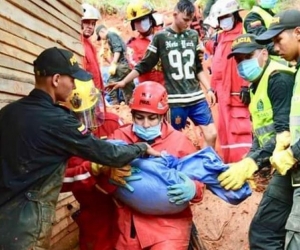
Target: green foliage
(119,6)
(247,4)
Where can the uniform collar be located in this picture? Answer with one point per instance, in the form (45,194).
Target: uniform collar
(37,93)
(298,64)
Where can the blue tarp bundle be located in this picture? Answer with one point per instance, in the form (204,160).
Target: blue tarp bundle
(150,193)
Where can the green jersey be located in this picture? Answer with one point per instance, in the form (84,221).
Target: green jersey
(180,63)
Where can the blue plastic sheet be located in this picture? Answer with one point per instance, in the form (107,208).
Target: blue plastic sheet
(150,193)
(205,166)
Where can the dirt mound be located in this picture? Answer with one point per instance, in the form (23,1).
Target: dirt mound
(224,226)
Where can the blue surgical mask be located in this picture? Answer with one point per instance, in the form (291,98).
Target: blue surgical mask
(250,69)
(147,134)
(268,4)
(227,23)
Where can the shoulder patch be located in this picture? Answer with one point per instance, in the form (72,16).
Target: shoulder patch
(255,24)
(82,129)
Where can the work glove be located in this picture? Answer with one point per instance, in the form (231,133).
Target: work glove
(115,174)
(183,192)
(283,160)
(245,95)
(283,141)
(237,174)
(112,69)
(128,179)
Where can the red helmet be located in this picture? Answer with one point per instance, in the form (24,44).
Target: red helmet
(150,97)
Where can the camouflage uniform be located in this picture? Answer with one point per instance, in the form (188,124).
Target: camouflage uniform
(116,44)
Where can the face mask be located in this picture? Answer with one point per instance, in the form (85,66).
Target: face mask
(143,26)
(147,134)
(268,4)
(250,69)
(227,23)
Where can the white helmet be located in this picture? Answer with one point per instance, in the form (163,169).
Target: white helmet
(159,19)
(90,12)
(226,7)
(212,19)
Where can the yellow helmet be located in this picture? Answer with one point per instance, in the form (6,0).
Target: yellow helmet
(137,9)
(87,103)
(199,3)
(83,97)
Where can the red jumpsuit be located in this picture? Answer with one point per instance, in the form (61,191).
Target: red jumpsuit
(97,217)
(234,127)
(137,47)
(157,232)
(91,64)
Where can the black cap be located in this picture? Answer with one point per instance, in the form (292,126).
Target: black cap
(244,44)
(288,19)
(59,61)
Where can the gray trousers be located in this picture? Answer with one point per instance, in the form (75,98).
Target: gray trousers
(292,239)
(122,71)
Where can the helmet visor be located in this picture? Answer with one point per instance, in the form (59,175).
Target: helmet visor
(94,116)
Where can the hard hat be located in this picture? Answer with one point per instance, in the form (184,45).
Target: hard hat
(226,7)
(159,19)
(90,12)
(212,19)
(150,97)
(137,9)
(87,103)
(199,3)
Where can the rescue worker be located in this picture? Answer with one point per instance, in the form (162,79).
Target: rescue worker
(234,127)
(138,231)
(284,31)
(119,66)
(270,90)
(182,72)
(259,18)
(90,63)
(145,21)
(96,217)
(37,138)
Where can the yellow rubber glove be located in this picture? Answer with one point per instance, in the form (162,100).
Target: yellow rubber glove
(283,141)
(283,161)
(115,174)
(237,174)
(112,69)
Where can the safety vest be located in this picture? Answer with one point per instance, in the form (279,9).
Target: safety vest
(260,106)
(266,16)
(295,111)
